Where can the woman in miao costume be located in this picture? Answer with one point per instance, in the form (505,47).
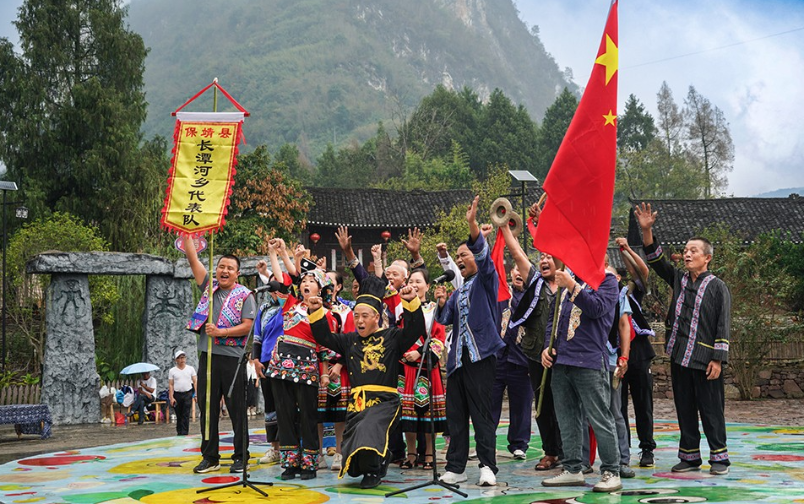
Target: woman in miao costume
(294,372)
(417,412)
(333,392)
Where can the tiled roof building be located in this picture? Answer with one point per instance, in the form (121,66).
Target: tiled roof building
(678,220)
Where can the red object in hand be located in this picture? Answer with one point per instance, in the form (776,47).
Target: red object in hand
(386,235)
(315,237)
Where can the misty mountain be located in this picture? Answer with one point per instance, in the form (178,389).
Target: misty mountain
(781,193)
(318,71)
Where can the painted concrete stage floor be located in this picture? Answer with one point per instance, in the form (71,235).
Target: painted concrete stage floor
(767,466)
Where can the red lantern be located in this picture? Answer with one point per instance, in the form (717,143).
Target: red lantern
(386,235)
(314,238)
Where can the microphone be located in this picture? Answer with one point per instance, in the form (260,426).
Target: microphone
(272,286)
(448,276)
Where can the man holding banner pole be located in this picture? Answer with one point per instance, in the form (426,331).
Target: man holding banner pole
(233,310)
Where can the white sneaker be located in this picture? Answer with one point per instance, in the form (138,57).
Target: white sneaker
(566,478)
(452,478)
(473,455)
(609,482)
(270,457)
(322,462)
(487,477)
(520,455)
(337,459)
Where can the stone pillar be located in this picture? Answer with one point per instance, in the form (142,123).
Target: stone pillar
(70,381)
(166,313)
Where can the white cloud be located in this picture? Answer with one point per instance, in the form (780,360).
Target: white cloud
(757,84)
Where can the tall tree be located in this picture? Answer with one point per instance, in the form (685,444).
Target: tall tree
(440,118)
(505,135)
(655,172)
(556,121)
(266,203)
(710,141)
(635,127)
(73,106)
(671,120)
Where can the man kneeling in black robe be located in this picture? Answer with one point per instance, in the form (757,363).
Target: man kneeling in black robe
(372,357)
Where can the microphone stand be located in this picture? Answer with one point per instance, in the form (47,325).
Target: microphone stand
(244,481)
(435,480)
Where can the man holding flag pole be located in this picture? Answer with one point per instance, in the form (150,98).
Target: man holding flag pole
(574,227)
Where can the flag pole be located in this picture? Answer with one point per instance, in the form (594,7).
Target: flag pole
(553,333)
(211,296)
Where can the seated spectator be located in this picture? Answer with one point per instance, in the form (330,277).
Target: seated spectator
(146,394)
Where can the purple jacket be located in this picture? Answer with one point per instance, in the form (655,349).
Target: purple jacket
(583,326)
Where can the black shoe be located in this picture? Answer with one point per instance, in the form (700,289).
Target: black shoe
(384,467)
(370,480)
(290,473)
(236,467)
(685,466)
(308,474)
(626,471)
(206,466)
(646,458)
(587,470)
(719,469)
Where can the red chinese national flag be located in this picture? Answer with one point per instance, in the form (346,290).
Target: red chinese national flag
(574,225)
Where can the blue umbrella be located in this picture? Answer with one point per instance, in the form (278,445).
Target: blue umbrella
(140,367)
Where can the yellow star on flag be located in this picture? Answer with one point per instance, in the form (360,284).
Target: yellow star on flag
(609,58)
(609,118)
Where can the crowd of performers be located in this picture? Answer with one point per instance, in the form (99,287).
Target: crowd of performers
(384,368)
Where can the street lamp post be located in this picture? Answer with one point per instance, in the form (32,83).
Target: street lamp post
(5,186)
(523,176)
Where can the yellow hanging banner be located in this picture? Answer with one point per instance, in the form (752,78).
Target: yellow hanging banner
(202,171)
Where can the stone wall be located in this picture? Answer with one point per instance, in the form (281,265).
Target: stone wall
(780,378)
(70,381)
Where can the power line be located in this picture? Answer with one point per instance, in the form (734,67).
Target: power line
(715,48)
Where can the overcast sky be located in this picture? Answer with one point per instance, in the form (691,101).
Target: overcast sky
(749,62)
(745,56)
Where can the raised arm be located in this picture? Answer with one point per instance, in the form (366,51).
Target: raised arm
(414,245)
(199,271)
(376,254)
(262,271)
(519,256)
(646,218)
(653,250)
(414,325)
(642,268)
(471,218)
(345,242)
(273,244)
(449,265)
(320,325)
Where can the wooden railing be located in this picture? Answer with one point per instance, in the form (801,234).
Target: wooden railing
(31,394)
(20,394)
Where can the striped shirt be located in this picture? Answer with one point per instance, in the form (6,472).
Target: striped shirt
(699,320)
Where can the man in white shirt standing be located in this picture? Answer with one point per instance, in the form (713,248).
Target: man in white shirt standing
(182,383)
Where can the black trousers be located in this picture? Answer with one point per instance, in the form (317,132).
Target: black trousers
(638,380)
(223,373)
(183,407)
(547,421)
(469,396)
(271,429)
(297,419)
(694,394)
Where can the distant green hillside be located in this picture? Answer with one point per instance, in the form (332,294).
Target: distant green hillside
(314,71)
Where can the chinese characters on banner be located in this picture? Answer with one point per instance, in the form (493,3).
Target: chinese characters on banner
(202,172)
